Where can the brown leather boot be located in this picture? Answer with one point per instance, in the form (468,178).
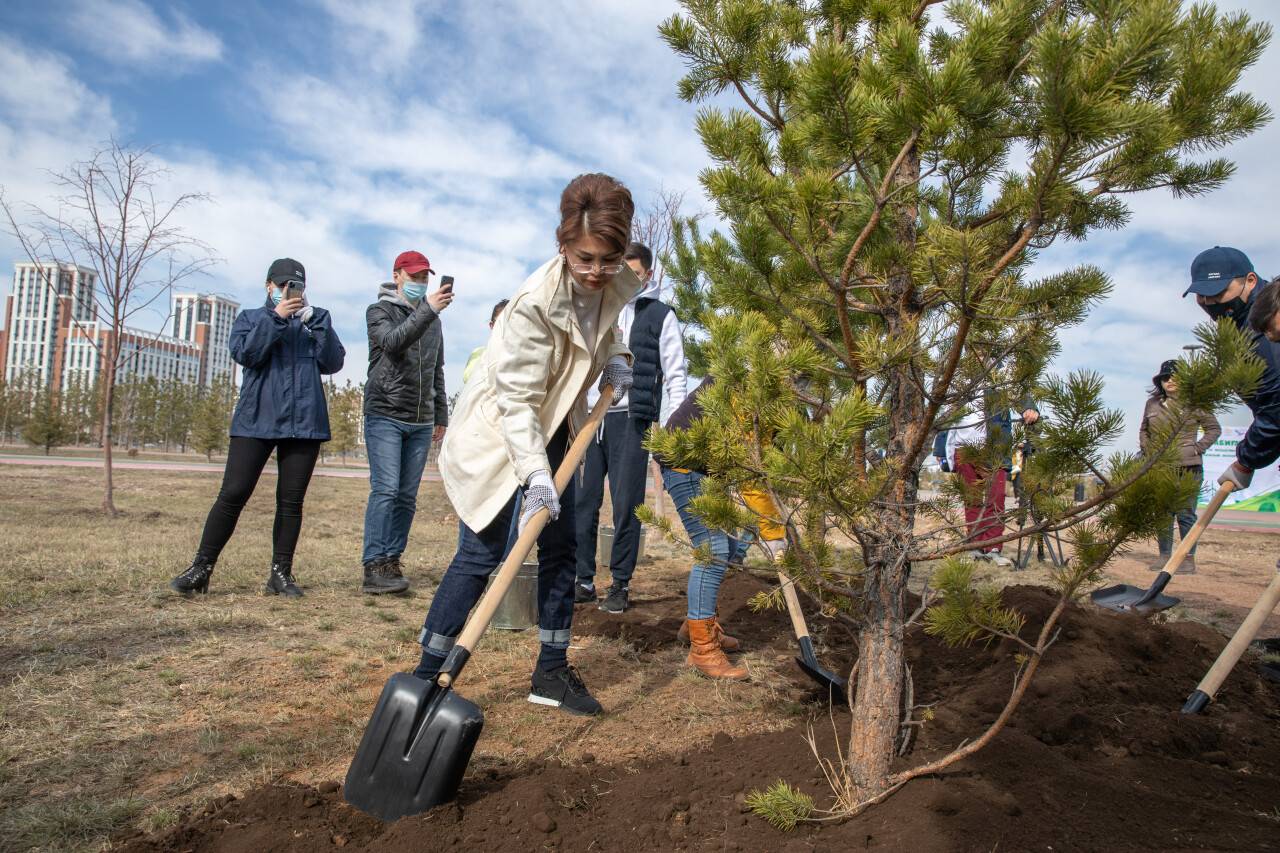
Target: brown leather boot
(729,644)
(706,655)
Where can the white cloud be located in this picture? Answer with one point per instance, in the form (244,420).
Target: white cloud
(40,89)
(129,31)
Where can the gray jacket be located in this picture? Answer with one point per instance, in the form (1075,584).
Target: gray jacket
(1189,445)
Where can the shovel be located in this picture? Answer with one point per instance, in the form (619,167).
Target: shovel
(1124,598)
(420,738)
(1244,635)
(808,661)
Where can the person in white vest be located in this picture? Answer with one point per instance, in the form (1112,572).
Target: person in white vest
(514,420)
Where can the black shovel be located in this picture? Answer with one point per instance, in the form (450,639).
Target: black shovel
(1124,598)
(419,741)
(835,686)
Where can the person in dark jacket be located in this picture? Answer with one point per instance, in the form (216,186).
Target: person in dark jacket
(284,347)
(653,334)
(1161,410)
(1225,285)
(405,410)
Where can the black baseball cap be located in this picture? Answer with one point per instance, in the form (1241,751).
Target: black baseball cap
(286,269)
(1213,269)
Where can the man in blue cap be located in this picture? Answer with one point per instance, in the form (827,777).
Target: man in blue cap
(1225,285)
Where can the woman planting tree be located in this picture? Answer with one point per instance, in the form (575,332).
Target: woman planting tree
(701,629)
(285,347)
(512,425)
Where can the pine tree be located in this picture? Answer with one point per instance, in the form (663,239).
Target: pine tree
(47,426)
(345,410)
(886,182)
(212,418)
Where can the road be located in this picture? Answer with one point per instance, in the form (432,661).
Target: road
(186,467)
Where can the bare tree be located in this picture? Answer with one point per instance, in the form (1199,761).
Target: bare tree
(112,217)
(653,227)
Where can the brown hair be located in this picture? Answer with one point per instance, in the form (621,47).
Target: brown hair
(599,205)
(1265,305)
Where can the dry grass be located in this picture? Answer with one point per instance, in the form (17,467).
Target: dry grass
(121,703)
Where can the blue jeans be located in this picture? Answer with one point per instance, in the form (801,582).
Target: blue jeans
(705,579)
(397,456)
(482,551)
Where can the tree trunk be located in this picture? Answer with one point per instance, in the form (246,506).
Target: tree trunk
(878,696)
(108,396)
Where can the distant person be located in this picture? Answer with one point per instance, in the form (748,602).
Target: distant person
(476,354)
(652,332)
(1225,285)
(512,425)
(284,347)
(985,492)
(1196,436)
(406,408)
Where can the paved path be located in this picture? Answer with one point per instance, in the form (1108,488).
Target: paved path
(194,467)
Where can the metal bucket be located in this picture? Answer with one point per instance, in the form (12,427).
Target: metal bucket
(518,610)
(604,546)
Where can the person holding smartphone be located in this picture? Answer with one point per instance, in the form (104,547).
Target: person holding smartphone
(406,408)
(557,338)
(284,347)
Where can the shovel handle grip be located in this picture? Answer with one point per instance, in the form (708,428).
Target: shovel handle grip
(1240,641)
(1193,535)
(483,614)
(793,606)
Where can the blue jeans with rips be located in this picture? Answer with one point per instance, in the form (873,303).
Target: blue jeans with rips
(397,456)
(705,578)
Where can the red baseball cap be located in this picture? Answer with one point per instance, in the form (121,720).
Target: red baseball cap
(412,263)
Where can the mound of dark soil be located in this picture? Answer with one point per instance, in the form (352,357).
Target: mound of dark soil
(1098,757)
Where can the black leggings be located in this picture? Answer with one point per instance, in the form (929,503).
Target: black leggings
(295,460)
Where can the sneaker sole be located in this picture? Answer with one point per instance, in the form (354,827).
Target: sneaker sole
(556,703)
(382,590)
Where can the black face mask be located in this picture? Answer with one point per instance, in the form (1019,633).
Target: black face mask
(1237,309)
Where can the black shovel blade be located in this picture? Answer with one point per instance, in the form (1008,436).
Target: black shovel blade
(1124,598)
(414,750)
(835,686)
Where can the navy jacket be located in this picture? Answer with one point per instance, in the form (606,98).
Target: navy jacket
(282,395)
(1261,444)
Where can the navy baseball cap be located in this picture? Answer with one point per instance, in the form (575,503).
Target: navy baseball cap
(1213,269)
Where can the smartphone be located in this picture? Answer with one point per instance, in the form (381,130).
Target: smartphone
(446,281)
(294,292)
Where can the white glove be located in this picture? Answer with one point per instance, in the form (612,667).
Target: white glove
(1237,475)
(776,548)
(618,374)
(305,313)
(540,492)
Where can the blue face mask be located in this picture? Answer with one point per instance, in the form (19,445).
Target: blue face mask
(277,296)
(413,291)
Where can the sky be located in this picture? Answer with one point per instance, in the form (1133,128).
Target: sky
(342,132)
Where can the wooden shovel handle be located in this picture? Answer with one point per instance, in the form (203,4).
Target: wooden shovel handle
(483,614)
(1193,535)
(1241,639)
(793,605)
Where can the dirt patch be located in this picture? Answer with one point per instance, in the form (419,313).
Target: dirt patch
(1097,758)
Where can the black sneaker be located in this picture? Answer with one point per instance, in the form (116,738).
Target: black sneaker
(281,582)
(583,593)
(563,688)
(383,576)
(616,600)
(194,579)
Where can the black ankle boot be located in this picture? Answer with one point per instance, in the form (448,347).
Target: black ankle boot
(281,582)
(194,579)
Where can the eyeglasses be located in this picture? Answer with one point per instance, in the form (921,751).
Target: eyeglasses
(587,269)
